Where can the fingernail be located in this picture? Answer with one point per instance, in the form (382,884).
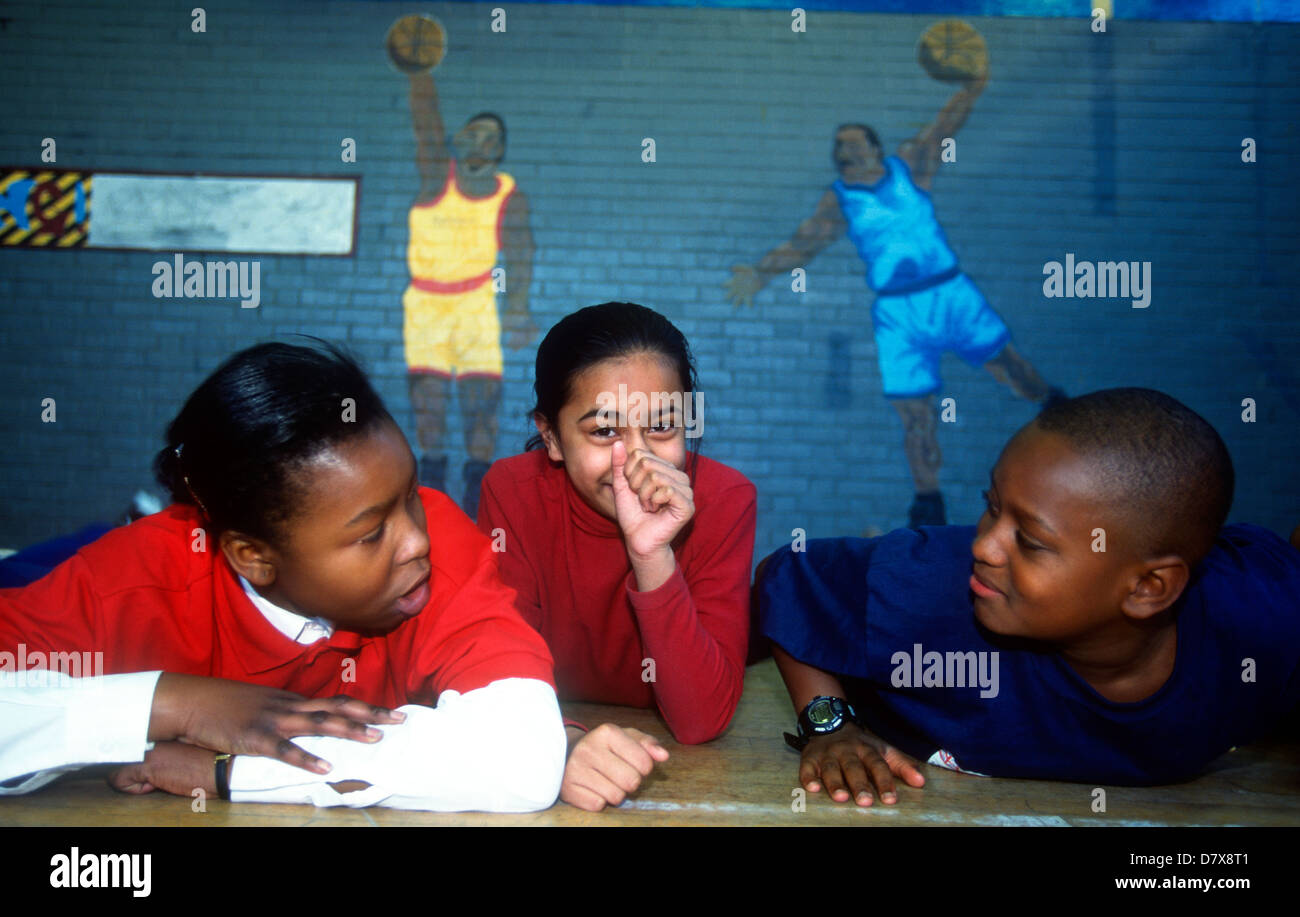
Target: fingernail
(373,733)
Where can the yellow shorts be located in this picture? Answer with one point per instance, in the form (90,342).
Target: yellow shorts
(452,333)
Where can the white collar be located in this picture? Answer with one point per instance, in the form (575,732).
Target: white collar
(297,628)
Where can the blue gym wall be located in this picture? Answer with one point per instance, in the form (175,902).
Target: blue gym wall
(1122,146)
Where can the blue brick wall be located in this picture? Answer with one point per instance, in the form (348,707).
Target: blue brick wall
(742,111)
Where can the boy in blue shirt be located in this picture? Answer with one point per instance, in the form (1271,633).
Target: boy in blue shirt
(1099,624)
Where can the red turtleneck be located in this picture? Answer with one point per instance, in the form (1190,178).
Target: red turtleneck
(680,648)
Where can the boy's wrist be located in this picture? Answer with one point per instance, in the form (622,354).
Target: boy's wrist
(822,716)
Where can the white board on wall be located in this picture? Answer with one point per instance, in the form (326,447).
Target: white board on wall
(291,216)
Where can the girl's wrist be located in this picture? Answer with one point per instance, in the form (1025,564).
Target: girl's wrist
(654,569)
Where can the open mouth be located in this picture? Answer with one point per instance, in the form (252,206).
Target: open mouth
(412,601)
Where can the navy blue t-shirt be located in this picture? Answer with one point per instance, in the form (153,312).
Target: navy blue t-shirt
(892,616)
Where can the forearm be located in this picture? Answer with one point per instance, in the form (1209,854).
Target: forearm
(954,114)
(650,571)
(783,258)
(499,748)
(519,278)
(50,723)
(425,114)
(698,676)
(803,681)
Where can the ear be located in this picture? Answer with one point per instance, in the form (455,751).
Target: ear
(250,557)
(1160,581)
(549,438)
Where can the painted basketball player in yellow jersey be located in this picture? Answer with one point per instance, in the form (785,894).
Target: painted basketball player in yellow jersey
(467,213)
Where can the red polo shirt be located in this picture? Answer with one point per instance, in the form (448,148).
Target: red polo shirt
(144,599)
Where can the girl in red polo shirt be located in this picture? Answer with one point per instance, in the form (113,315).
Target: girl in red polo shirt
(299,561)
(630,553)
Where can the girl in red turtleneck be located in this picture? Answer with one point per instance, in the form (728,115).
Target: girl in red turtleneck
(630,554)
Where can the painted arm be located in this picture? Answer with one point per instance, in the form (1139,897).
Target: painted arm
(431,154)
(517,249)
(813,235)
(921,153)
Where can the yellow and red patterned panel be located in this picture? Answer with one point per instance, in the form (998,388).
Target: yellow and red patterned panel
(44,208)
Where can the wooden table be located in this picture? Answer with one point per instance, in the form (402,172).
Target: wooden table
(747,777)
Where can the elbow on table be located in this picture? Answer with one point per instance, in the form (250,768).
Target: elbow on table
(707,728)
(538,770)
(537,785)
(693,735)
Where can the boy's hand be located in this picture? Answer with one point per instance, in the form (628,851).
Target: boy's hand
(243,719)
(172,767)
(850,760)
(608,763)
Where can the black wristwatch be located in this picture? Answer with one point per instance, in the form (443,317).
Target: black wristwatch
(822,716)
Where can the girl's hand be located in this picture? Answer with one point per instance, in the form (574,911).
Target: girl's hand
(243,719)
(172,767)
(850,760)
(653,501)
(608,763)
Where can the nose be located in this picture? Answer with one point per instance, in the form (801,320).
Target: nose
(988,548)
(634,438)
(414,542)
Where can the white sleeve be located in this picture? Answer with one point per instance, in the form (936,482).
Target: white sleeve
(499,748)
(51,723)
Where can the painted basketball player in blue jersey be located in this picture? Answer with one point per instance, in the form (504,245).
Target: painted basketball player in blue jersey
(924,304)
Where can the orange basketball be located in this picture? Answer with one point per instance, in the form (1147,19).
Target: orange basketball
(416,43)
(952,51)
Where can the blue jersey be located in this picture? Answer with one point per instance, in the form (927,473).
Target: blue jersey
(893,226)
(893,617)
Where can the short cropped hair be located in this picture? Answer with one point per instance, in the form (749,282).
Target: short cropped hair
(872,137)
(1158,458)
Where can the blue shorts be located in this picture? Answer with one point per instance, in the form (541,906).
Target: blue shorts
(914,329)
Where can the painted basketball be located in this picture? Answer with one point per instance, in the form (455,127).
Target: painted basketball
(952,51)
(416,43)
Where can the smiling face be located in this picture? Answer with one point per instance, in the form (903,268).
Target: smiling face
(1035,573)
(357,552)
(582,438)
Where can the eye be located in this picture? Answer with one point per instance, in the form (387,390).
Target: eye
(604,432)
(988,504)
(662,428)
(375,536)
(1027,544)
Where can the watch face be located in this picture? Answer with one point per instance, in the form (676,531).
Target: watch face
(822,713)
